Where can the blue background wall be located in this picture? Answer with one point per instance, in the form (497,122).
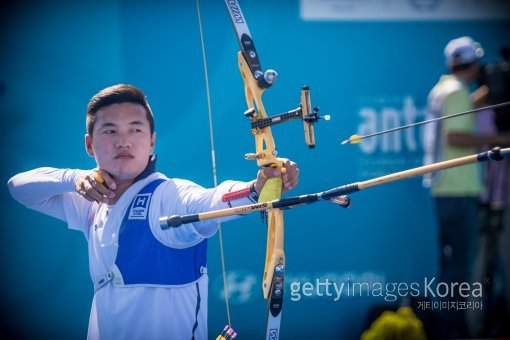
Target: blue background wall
(56,55)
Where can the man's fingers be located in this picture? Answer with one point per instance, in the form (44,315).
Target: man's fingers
(290,177)
(88,197)
(97,177)
(105,177)
(92,192)
(89,193)
(289,174)
(100,187)
(96,186)
(269,172)
(263,175)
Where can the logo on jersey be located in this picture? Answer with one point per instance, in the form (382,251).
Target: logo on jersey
(140,207)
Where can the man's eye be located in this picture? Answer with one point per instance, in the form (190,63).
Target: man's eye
(136,130)
(108,132)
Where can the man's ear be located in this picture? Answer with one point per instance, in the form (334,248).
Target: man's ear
(88,145)
(153,142)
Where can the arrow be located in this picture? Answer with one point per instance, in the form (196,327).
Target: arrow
(354,139)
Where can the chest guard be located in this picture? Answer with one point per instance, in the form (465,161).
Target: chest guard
(143,260)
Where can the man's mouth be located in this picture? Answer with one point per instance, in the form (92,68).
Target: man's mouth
(124,156)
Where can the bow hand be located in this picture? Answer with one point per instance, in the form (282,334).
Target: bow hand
(289,174)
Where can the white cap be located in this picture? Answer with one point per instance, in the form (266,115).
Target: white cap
(462,50)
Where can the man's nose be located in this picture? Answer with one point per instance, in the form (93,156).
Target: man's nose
(122,141)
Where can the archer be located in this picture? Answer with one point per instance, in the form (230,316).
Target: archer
(148,283)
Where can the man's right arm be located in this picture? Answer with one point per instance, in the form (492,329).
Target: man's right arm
(44,189)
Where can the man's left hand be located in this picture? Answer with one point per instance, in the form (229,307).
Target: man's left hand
(289,177)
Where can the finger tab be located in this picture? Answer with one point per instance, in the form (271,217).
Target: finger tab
(97,177)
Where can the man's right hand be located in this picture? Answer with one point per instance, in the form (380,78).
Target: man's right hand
(96,186)
(479,96)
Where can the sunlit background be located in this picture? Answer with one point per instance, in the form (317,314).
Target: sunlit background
(369,67)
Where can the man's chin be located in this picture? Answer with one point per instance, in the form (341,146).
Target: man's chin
(123,179)
(123,176)
(122,173)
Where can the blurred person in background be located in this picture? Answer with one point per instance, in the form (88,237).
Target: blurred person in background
(492,261)
(456,191)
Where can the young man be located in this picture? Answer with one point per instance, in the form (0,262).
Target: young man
(456,190)
(149,283)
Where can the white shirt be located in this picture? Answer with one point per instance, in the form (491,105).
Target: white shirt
(131,312)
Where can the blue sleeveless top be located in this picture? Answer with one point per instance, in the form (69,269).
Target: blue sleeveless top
(142,259)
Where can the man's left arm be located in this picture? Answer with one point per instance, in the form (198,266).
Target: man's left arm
(230,194)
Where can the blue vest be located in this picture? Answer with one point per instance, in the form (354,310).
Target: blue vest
(142,259)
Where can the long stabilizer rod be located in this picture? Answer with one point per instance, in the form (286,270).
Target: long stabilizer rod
(334,194)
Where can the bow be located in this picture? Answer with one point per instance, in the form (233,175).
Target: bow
(255,83)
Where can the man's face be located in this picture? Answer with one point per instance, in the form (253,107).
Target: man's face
(473,72)
(121,142)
